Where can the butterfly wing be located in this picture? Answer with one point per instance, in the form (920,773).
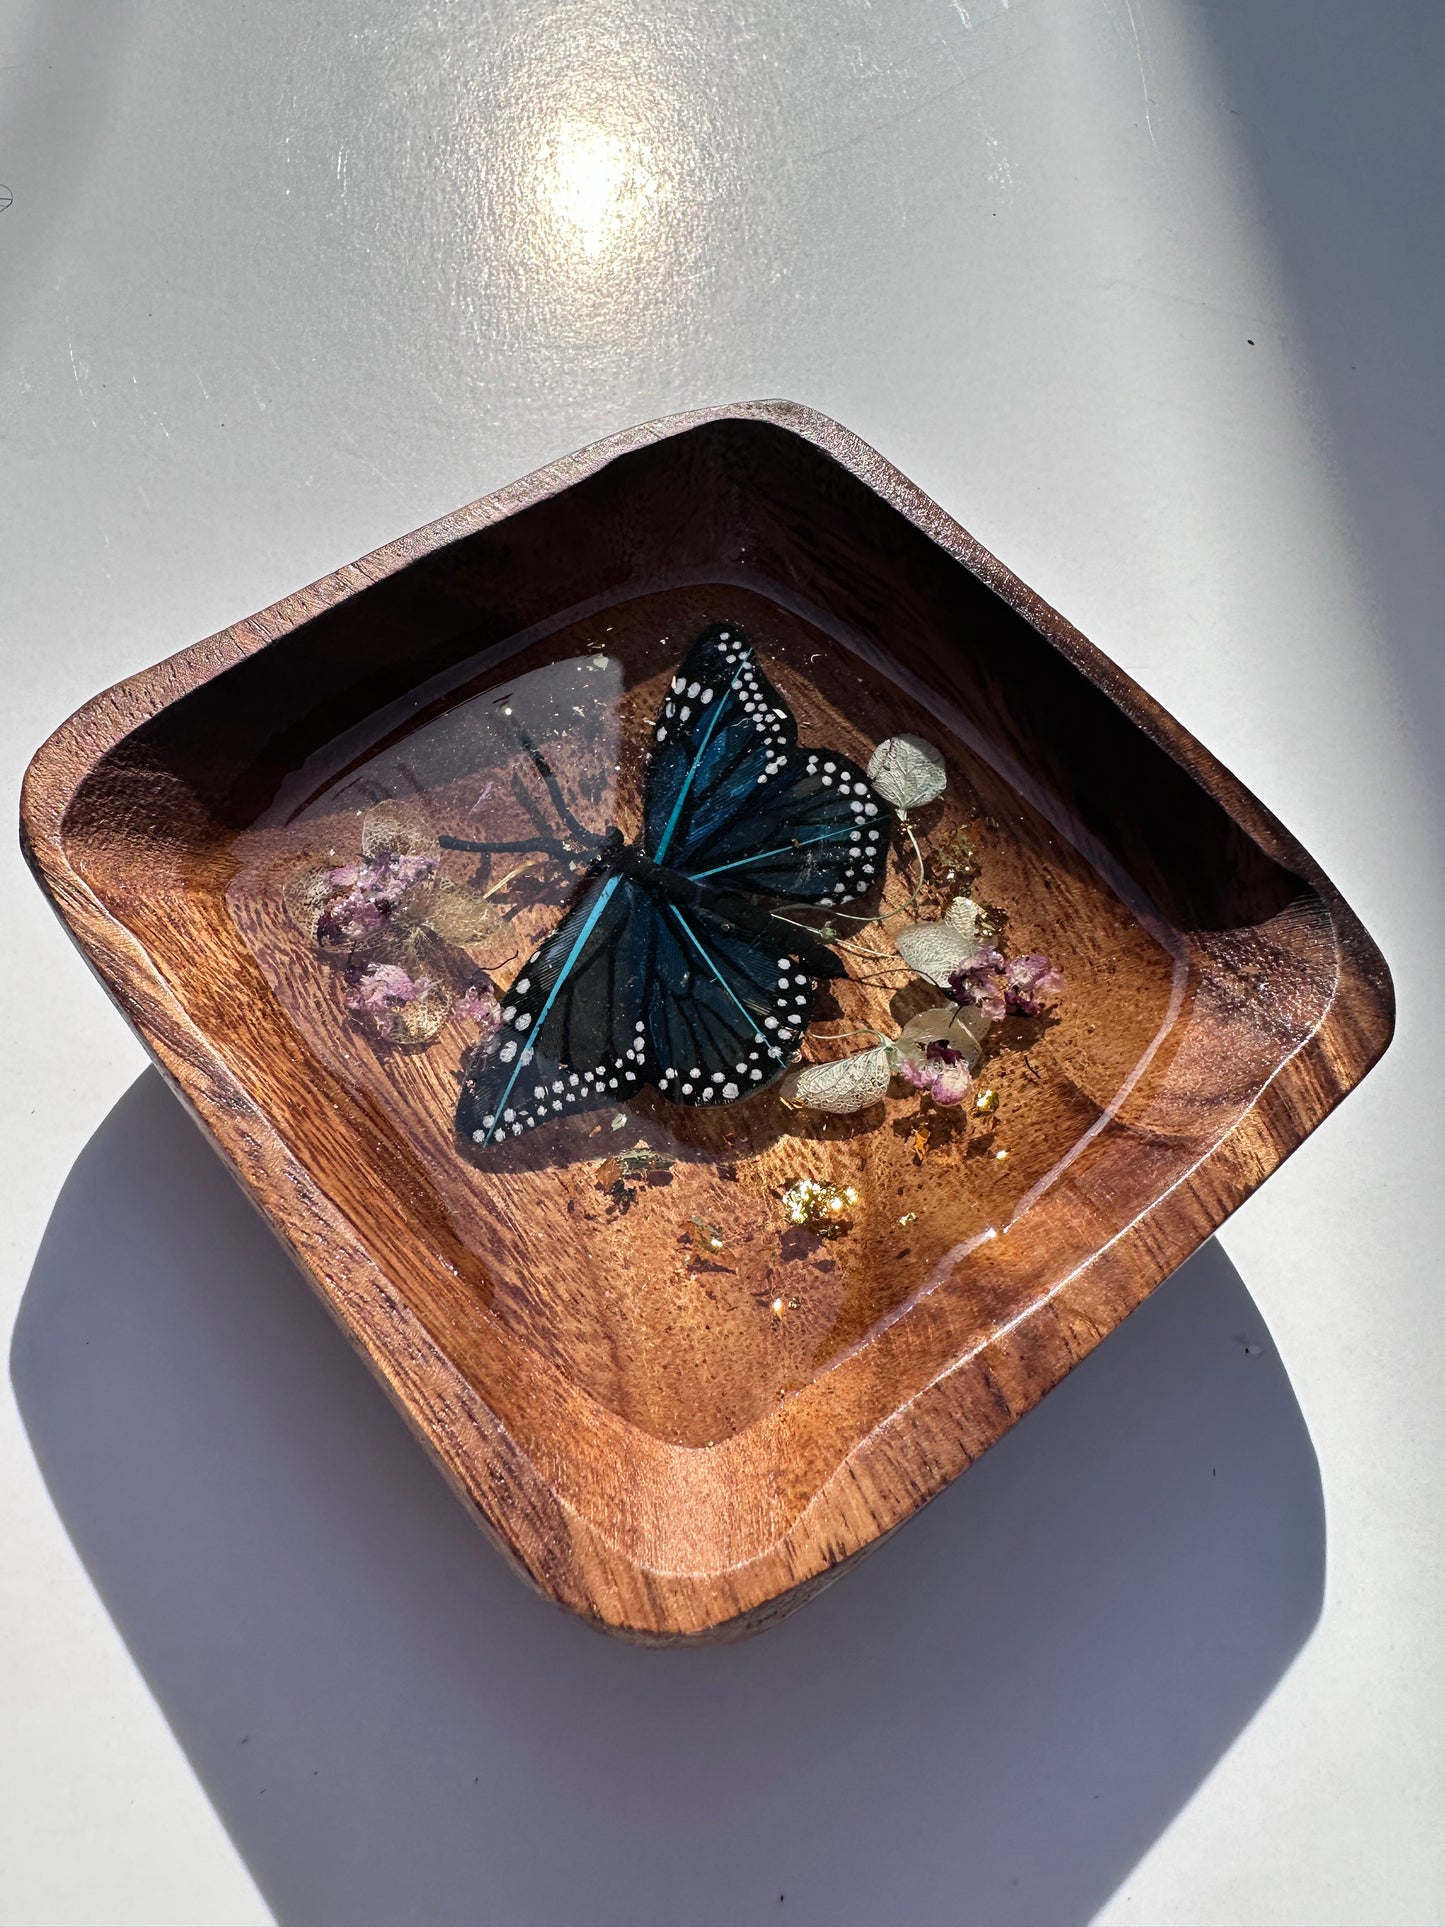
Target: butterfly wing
(628,991)
(724,1013)
(572,1023)
(729,795)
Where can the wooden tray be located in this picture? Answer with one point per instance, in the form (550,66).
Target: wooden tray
(678,1413)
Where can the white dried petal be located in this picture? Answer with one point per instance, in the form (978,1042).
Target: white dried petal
(934,950)
(847,1084)
(397,827)
(907,772)
(963,915)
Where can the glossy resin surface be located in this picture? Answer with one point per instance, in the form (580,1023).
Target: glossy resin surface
(679,1411)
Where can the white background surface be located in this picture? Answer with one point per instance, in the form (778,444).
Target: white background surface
(1148,295)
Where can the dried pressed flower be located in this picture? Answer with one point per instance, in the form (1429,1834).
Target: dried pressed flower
(940,1069)
(1031,984)
(935,950)
(938,1050)
(478,1004)
(366,896)
(397,1007)
(979,980)
(1006,986)
(395,922)
(907,772)
(847,1084)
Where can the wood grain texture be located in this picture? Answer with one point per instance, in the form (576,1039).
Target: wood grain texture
(630,1418)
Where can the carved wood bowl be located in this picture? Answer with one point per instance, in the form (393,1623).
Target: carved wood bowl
(677,1412)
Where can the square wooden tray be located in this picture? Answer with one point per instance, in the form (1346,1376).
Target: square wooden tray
(683,1443)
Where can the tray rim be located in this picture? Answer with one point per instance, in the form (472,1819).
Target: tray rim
(922,1445)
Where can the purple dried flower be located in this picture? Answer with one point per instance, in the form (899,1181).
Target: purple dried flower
(979,980)
(395,1006)
(382,988)
(1000,986)
(479,1003)
(371,892)
(939,1069)
(1031,984)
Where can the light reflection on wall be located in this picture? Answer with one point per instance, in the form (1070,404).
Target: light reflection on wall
(597,187)
(593,164)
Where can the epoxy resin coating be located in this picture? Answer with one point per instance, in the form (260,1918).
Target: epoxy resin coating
(727,996)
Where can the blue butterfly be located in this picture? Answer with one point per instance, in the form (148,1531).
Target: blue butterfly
(680,963)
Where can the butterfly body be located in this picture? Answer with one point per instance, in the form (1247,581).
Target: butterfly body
(735,907)
(682,961)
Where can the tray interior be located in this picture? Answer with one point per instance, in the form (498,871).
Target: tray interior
(1195,963)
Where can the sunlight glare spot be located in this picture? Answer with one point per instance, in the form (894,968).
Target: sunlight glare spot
(596,183)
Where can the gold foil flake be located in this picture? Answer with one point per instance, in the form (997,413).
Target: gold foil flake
(991,922)
(986,1103)
(908,1217)
(1000,1155)
(623,1176)
(953,862)
(824,1208)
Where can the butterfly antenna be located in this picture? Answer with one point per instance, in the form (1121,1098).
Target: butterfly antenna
(548,845)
